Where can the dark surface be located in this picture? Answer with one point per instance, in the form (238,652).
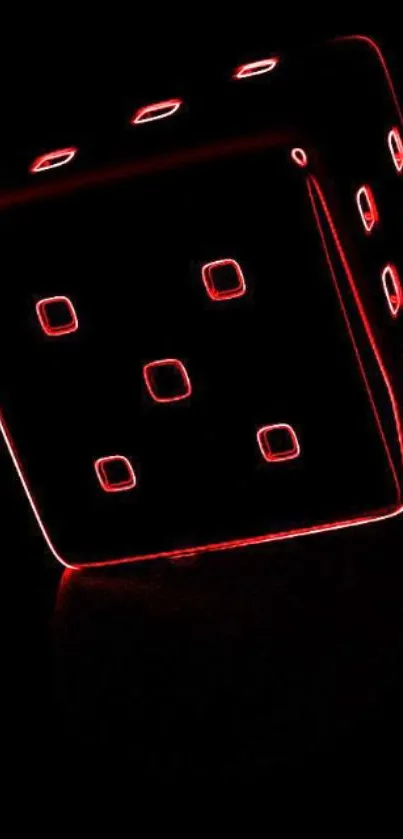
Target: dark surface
(235,666)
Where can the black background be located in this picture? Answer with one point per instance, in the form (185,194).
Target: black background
(238,665)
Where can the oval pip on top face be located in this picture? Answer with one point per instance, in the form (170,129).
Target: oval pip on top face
(156,111)
(53,160)
(256,68)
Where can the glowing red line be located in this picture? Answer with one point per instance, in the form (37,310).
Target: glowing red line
(380,515)
(367,40)
(139,168)
(255,540)
(14,457)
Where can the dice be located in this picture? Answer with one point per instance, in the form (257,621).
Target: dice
(206,336)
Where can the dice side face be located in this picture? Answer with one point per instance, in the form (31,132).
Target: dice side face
(269,420)
(366,124)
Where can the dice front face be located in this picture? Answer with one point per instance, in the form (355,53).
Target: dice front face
(192,369)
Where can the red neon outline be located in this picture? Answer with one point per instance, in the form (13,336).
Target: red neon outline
(44,321)
(393,296)
(255,68)
(367,207)
(395,143)
(262,437)
(382,60)
(167,362)
(101,473)
(52,160)
(208,280)
(299,157)
(159,110)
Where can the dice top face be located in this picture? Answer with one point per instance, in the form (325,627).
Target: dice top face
(219,386)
